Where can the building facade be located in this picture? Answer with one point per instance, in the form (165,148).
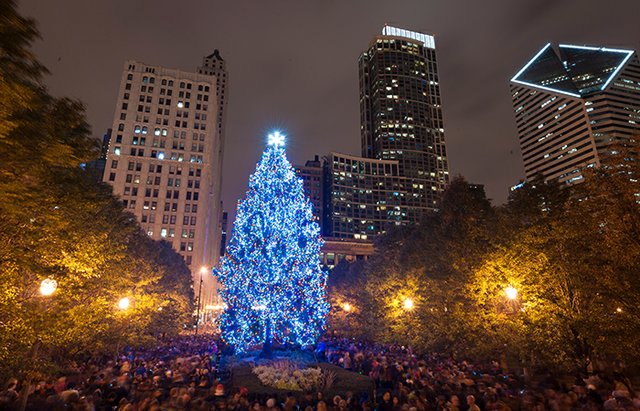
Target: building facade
(403,169)
(224,224)
(401,113)
(336,250)
(363,197)
(571,103)
(311,174)
(317,176)
(165,161)
(97,166)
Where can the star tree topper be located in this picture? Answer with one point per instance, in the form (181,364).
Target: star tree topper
(276,139)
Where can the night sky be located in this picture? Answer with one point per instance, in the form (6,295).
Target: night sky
(293,65)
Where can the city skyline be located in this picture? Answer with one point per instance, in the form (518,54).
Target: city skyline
(313,96)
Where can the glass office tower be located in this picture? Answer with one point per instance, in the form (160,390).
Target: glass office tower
(401,113)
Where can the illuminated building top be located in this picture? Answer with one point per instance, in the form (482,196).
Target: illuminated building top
(575,71)
(426,39)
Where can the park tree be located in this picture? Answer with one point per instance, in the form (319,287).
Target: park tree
(57,223)
(272,281)
(344,287)
(601,232)
(547,281)
(415,283)
(571,253)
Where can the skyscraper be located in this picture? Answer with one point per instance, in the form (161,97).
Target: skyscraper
(346,194)
(165,160)
(214,65)
(571,103)
(365,197)
(98,165)
(313,183)
(401,113)
(224,223)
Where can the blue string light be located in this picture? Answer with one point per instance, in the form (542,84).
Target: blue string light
(271,272)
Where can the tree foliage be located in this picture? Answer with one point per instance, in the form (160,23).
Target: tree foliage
(56,222)
(571,253)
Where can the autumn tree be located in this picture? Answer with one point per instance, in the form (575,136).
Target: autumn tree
(56,222)
(547,281)
(415,282)
(572,253)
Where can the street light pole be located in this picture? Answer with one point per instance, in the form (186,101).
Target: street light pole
(202,271)
(123,305)
(48,286)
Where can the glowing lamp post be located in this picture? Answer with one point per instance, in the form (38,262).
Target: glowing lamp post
(48,287)
(124,303)
(347,307)
(511,292)
(408,304)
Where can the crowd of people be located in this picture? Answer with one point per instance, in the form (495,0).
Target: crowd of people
(409,382)
(186,373)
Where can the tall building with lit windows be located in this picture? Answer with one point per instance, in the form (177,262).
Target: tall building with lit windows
(365,197)
(401,113)
(403,169)
(571,103)
(165,159)
(312,178)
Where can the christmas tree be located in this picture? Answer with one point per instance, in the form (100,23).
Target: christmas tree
(272,283)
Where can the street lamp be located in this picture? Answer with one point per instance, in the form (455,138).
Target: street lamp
(124,303)
(203,271)
(346,307)
(511,292)
(48,286)
(408,304)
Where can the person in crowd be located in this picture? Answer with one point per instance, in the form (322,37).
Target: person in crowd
(185,373)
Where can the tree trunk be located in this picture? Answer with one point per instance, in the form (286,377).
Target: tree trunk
(26,389)
(267,345)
